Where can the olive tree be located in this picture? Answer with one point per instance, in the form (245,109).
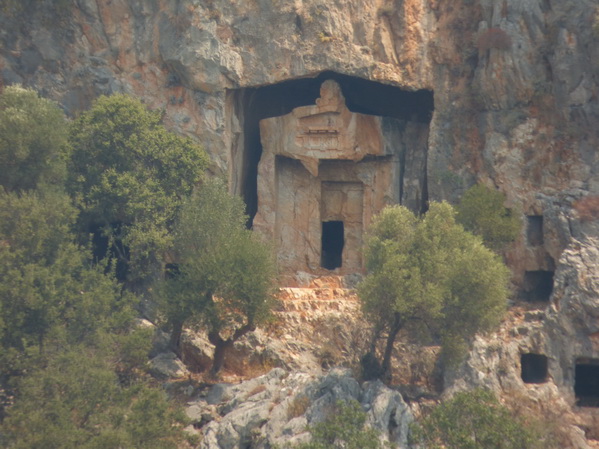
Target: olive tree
(224,274)
(429,276)
(481,211)
(129,176)
(33,133)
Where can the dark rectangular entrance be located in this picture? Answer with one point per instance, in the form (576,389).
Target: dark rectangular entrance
(534,368)
(534,230)
(538,286)
(586,382)
(333,240)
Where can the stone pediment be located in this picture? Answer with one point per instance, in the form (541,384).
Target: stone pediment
(324,131)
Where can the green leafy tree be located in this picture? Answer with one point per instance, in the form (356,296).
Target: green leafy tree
(130,175)
(430,277)
(48,285)
(77,401)
(482,212)
(67,340)
(344,428)
(224,274)
(33,133)
(474,420)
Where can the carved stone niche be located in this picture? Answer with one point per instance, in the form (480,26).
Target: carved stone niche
(324,172)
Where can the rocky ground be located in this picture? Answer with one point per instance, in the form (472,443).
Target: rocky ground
(280,380)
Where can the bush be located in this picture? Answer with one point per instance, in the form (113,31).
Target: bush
(481,211)
(494,38)
(344,428)
(474,420)
(33,132)
(83,405)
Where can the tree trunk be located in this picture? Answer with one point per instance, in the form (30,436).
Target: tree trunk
(221,346)
(220,351)
(386,365)
(175,342)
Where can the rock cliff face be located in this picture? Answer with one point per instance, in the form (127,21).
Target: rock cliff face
(276,409)
(515,87)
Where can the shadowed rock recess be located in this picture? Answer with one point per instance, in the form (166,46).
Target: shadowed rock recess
(320,113)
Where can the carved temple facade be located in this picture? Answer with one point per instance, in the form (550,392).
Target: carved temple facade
(325,171)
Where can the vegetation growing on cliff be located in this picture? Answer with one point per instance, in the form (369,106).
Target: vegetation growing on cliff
(129,177)
(430,277)
(344,428)
(224,273)
(482,212)
(475,420)
(33,133)
(67,334)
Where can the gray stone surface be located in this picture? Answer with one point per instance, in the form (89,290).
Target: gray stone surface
(279,407)
(167,365)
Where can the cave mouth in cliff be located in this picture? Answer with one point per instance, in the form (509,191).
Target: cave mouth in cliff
(534,230)
(252,104)
(533,368)
(333,240)
(586,382)
(537,286)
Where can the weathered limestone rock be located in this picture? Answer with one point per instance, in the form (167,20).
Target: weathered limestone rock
(167,365)
(565,331)
(319,327)
(277,408)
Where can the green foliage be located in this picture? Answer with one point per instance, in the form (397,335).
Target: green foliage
(48,286)
(69,353)
(344,428)
(77,401)
(482,212)
(225,273)
(129,175)
(474,420)
(430,276)
(33,132)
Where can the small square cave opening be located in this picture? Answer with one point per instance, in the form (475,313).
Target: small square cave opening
(534,368)
(537,286)
(586,382)
(534,230)
(333,240)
